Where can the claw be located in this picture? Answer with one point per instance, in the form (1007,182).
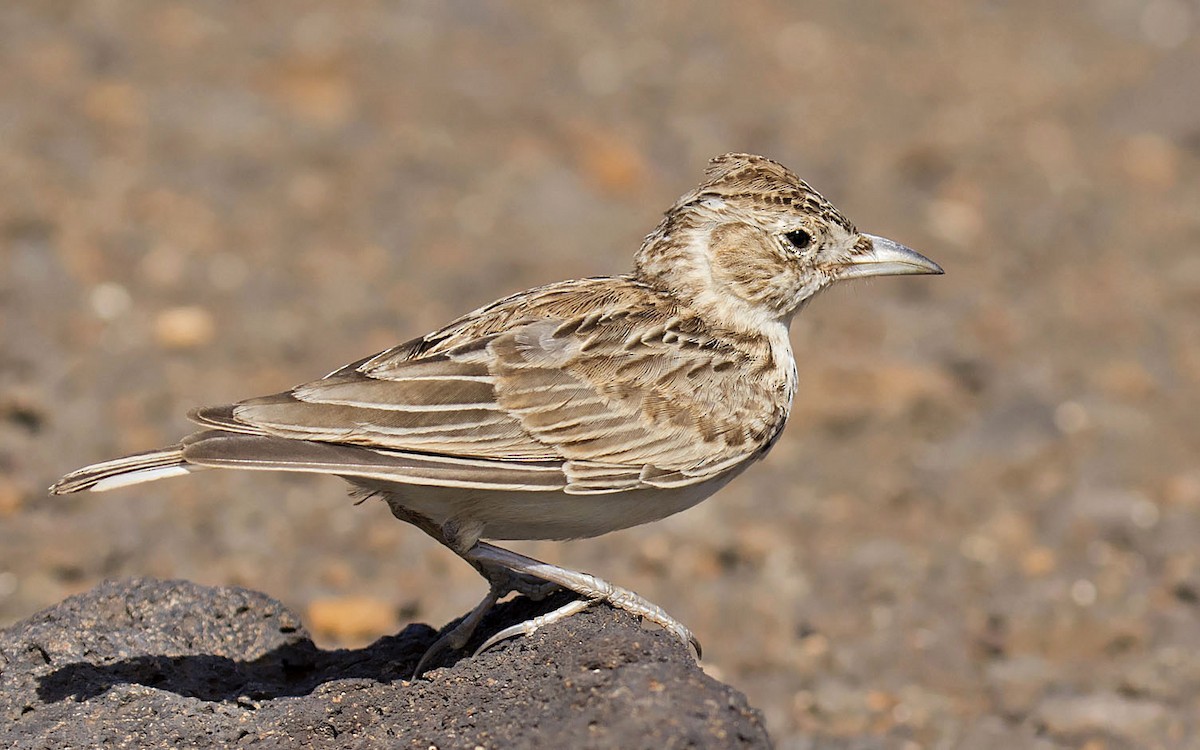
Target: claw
(532,624)
(458,636)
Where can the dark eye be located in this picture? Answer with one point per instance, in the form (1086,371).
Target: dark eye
(799,238)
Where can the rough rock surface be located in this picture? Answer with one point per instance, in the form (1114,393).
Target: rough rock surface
(145,663)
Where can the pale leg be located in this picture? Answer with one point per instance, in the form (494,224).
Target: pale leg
(508,572)
(501,582)
(588,586)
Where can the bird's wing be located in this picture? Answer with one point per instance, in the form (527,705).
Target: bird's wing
(613,397)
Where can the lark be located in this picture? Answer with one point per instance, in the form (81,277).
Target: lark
(572,409)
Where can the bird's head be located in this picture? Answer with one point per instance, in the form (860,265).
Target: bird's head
(756,240)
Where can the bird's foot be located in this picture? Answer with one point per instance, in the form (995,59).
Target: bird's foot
(457,637)
(590,587)
(502,581)
(509,572)
(533,623)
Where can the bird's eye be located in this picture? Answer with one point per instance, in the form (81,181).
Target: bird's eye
(799,238)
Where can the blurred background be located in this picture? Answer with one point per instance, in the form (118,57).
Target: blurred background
(982,525)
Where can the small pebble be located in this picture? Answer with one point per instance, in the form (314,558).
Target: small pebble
(11,498)
(351,619)
(109,300)
(1083,592)
(1129,718)
(184,327)
(1039,561)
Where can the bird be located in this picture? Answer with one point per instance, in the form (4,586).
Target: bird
(572,409)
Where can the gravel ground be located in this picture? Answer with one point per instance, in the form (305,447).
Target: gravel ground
(981,527)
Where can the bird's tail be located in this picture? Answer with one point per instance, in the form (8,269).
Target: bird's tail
(122,472)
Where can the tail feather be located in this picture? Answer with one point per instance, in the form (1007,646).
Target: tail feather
(122,472)
(233,450)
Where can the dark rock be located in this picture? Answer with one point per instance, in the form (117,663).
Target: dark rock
(144,663)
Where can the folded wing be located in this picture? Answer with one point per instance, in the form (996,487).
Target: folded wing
(611,400)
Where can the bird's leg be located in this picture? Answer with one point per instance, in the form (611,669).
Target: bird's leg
(501,582)
(458,541)
(593,589)
(508,572)
(458,636)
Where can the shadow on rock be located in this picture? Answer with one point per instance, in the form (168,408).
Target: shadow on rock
(294,668)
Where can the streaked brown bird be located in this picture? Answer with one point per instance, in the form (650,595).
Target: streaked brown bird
(572,409)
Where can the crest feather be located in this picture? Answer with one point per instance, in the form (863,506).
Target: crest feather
(752,173)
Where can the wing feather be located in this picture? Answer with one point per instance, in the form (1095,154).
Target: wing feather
(610,394)
(265,452)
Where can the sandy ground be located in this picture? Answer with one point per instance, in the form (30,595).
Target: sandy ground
(983,522)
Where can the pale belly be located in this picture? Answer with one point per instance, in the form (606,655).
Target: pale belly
(547,515)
